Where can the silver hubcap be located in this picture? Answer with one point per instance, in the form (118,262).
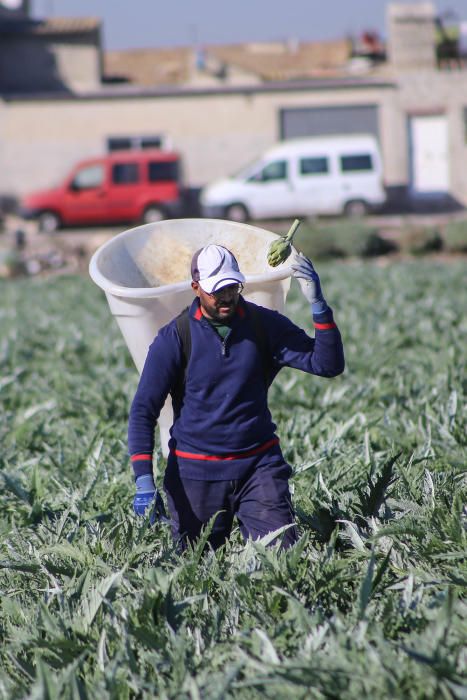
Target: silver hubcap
(153,215)
(48,223)
(357,209)
(237,213)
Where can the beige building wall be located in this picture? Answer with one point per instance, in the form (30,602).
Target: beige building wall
(217,134)
(439,92)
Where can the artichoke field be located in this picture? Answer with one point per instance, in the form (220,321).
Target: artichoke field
(369,604)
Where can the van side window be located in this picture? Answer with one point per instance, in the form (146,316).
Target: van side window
(163,171)
(88,178)
(125,173)
(314,166)
(356,163)
(272,171)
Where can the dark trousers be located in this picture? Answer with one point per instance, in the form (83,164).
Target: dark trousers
(260,501)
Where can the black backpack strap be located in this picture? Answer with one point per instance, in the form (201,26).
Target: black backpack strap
(262,343)
(183,328)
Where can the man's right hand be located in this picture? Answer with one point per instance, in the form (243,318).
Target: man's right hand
(147,500)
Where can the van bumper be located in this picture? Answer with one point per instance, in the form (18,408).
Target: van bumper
(376,207)
(173,208)
(28,213)
(213,211)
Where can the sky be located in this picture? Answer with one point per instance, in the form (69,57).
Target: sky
(131,24)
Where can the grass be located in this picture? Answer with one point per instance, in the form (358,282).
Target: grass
(369,604)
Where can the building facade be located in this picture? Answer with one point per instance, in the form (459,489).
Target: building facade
(220,114)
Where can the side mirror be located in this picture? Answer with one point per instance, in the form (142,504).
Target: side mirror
(258,177)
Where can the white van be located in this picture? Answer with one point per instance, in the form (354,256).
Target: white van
(302,177)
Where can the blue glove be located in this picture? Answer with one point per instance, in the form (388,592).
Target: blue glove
(310,285)
(148,500)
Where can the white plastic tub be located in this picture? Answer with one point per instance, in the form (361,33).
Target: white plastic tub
(145,274)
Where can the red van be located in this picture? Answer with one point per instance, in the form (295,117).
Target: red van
(123,187)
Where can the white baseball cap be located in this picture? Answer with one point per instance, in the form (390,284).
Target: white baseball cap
(214,267)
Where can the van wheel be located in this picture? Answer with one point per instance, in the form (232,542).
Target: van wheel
(356,208)
(237,212)
(48,222)
(153,214)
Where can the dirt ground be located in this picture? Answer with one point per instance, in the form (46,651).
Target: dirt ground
(25,251)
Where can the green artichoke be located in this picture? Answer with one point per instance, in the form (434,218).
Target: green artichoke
(280,249)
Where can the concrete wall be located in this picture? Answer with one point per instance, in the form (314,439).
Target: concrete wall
(411,35)
(71,65)
(42,71)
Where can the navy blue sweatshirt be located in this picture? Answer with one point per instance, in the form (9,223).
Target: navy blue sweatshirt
(223,421)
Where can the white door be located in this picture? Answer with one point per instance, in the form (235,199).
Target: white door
(430,155)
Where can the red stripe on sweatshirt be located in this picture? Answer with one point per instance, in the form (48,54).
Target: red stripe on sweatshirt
(324,326)
(135,458)
(220,458)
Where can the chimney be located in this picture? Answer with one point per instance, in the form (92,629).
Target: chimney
(411,36)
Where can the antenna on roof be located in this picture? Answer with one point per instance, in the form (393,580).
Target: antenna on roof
(193,33)
(200,55)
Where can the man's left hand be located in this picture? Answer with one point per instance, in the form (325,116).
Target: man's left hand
(309,281)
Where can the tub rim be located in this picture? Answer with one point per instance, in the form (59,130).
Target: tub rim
(276,274)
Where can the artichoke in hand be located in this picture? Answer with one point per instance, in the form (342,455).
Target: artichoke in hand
(280,249)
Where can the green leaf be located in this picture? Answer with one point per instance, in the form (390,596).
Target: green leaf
(366,587)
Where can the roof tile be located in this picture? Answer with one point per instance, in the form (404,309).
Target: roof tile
(268,61)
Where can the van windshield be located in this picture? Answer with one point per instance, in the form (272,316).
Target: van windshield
(247,170)
(89,177)
(62,178)
(276,170)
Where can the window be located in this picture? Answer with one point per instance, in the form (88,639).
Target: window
(89,178)
(125,143)
(118,144)
(356,163)
(314,166)
(166,171)
(152,142)
(125,173)
(273,171)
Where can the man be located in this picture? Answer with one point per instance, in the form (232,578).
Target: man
(225,459)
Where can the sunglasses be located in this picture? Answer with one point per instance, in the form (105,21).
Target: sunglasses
(228,290)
